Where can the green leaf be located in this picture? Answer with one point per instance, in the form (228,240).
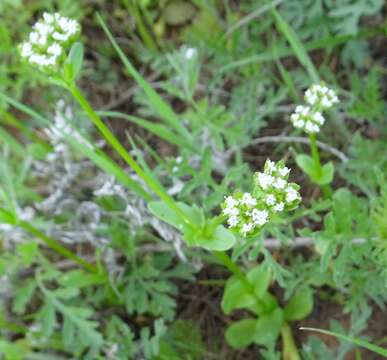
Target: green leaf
(300,305)
(241,333)
(22,297)
(307,165)
(165,213)
(222,239)
(74,61)
(235,296)
(47,318)
(327,174)
(268,327)
(28,252)
(259,277)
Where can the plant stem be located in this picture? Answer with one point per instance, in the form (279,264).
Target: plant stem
(289,347)
(51,243)
(113,141)
(316,158)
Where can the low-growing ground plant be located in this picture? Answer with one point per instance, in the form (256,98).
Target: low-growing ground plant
(101,231)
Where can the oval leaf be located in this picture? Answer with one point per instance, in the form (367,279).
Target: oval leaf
(241,333)
(300,305)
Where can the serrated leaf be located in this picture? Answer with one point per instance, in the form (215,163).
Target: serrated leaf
(241,333)
(22,297)
(47,318)
(68,332)
(300,305)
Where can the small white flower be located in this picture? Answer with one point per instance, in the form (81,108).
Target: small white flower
(326,103)
(26,49)
(270,166)
(284,171)
(190,53)
(247,228)
(233,221)
(280,184)
(60,37)
(231,211)
(230,202)
(318,118)
(279,207)
(260,217)
(34,37)
(48,18)
(265,180)
(291,195)
(248,200)
(54,49)
(270,200)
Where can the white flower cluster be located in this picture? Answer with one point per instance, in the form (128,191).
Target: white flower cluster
(247,212)
(309,117)
(305,118)
(321,96)
(51,37)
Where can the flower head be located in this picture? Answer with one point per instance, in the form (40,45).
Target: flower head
(309,117)
(321,96)
(248,212)
(51,36)
(305,118)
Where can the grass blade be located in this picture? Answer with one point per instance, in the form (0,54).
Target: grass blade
(157,129)
(163,108)
(362,343)
(296,45)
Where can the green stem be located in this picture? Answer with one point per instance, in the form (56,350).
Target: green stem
(51,243)
(317,161)
(113,141)
(289,347)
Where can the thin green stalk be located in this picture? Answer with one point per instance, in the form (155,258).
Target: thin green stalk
(146,37)
(113,141)
(51,243)
(316,158)
(289,347)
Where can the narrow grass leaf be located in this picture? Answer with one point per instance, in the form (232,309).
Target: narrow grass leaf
(163,108)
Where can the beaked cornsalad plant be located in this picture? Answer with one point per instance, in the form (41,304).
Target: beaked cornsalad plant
(244,217)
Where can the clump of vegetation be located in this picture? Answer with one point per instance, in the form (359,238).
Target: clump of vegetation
(154,156)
